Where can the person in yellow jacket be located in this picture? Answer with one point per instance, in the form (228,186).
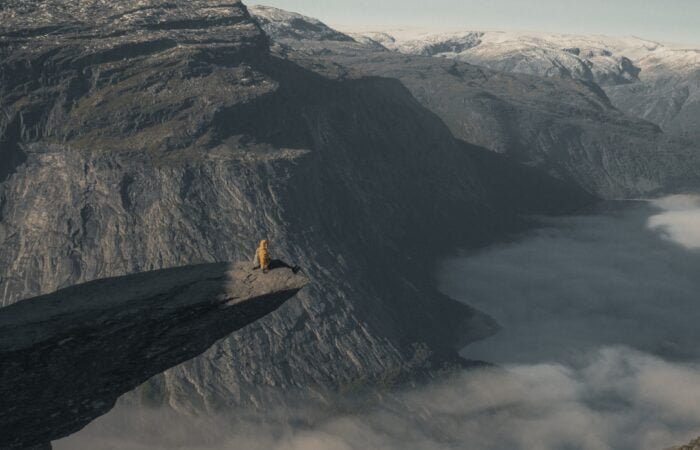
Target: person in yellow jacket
(262,258)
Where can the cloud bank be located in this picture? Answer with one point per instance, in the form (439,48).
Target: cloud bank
(581,283)
(679,220)
(619,400)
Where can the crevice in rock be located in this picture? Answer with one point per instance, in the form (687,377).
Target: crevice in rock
(11,153)
(124,185)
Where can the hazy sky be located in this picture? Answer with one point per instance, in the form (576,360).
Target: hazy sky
(666,20)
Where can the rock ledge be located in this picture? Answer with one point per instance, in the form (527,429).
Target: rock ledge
(66,357)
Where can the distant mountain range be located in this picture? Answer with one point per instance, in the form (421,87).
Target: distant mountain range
(650,80)
(616,116)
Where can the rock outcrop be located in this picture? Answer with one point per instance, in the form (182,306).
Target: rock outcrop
(66,357)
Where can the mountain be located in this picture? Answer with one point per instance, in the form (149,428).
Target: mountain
(668,93)
(533,54)
(68,356)
(564,126)
(141,135)
(656,82)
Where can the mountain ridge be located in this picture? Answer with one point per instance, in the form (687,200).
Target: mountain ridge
(646,79)
(567,127)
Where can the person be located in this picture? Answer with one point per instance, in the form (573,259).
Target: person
(262,258)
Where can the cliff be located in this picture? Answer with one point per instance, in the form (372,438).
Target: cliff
(67,356)
(154,134)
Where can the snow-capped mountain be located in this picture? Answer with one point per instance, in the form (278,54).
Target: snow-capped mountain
(564,125)
(651,80)
(669,91)
(606,60)
(656,82)
(534,54)
(295,26)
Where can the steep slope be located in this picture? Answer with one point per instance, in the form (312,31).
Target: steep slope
(67,356)
(668,93)
(158,134)
(564,126)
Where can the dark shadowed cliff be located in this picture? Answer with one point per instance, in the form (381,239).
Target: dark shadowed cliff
(67,356)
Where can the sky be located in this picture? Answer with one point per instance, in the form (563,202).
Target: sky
(662,20)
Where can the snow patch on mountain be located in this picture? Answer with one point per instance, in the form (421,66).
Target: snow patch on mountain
(278,22)
(542,54)
(651,80)
(654,81)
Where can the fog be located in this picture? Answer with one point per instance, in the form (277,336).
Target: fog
(620,399)
(621,277)
(679,220)
(598,352)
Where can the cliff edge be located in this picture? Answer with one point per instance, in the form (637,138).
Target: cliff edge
(67,356)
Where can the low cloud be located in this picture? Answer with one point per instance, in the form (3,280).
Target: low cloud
(581,283)
(620,399)
(679,220)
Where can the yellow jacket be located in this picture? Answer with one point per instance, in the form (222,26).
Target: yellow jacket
(261,255)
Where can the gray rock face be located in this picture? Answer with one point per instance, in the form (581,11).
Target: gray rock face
(145,146)
(693,445)
(67,356)
(566,126)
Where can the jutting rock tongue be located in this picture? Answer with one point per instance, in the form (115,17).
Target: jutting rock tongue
(67,356)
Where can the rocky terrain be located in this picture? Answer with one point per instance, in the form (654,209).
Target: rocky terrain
(650,80)
(147,134)
(566,126)
(694,445)
(67,356)
(668,93)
